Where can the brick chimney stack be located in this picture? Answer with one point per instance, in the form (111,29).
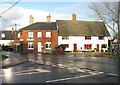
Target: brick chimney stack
(31,19)
(74,17)
(49,19)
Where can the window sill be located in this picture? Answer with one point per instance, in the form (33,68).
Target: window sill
(30,48)
(47,48)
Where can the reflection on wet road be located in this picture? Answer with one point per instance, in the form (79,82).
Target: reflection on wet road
(76,61)
(63,68)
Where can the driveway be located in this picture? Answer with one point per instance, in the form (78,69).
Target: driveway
(69,68)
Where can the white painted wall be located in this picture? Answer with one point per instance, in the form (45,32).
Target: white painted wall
(5,42)
(80,41)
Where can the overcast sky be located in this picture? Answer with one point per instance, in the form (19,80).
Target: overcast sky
(61,10)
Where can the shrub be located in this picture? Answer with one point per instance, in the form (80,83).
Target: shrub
(60,49)
(62,46)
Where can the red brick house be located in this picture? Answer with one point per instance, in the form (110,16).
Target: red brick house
(37,36)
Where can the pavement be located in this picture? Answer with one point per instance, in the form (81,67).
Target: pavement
(13,59)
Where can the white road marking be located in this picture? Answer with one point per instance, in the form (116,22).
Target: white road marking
(112,74)
(72,78)
(42,70)
(27,72)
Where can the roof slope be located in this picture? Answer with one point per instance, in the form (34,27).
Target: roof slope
(81,28)
(41,26)
(9,35)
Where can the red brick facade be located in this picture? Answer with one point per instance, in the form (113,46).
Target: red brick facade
(43,39)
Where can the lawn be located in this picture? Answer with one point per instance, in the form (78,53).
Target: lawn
(113,56)
(3,57)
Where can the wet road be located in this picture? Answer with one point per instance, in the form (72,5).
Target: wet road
(77,68)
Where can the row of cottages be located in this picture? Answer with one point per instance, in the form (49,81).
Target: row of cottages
(75,35)
(8,36)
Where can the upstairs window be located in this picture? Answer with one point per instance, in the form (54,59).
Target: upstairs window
(65,37)
(39,34)
(48,34)
(87,37)
(3,35)
(30,34)
(48,45)
(18,35)
(101,37)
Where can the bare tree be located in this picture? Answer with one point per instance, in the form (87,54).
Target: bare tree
(108,13)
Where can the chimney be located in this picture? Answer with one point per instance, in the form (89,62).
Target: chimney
(74,17)
(49,19)
(31,19)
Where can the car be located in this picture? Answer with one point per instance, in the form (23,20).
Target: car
(10,48)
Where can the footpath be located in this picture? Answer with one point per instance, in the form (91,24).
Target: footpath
(13,59)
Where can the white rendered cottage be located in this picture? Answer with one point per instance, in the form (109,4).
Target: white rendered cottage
(82,35)
(6,36)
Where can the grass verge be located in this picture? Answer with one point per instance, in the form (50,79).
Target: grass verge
(113,56)
(3,57)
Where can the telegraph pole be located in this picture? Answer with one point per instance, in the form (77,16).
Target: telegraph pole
(15,30)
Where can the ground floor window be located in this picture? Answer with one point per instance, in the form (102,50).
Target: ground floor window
(30,45)
(48,45)
(104,46)
(87,46)
(66,45)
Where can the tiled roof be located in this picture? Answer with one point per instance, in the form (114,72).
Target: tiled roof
(41,26)
(9,35)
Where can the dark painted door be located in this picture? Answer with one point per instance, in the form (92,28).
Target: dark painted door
(75,47)
(97,47)
(18,48)
(21,47)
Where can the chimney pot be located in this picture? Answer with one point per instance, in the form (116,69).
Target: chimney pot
(49,19)
(74,17)
(31,19)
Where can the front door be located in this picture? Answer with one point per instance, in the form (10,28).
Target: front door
(18,48)
(97,47)
(21,47)
(39,46)
(75,47)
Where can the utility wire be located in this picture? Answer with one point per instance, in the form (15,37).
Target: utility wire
(7,10)
(10,8)
(4,18)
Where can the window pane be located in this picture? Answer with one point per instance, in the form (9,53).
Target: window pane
(30,34)
(48,34)
(38,34)
(46,45)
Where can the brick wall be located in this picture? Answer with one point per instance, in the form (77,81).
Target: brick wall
(53,39)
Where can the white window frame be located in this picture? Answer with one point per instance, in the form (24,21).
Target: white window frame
(39,34)
(30,46)
(49,45)
(30,34)
(48,34)
(2,35)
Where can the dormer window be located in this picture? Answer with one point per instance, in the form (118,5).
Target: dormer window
(65,37)
(101,37)
(87,37)
(3,35)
